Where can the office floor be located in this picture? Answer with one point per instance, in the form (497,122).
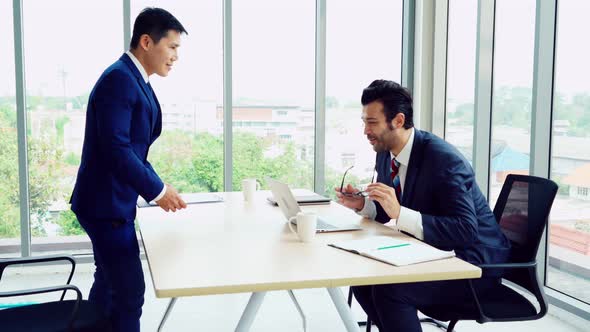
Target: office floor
(277,313)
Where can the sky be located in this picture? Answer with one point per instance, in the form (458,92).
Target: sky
(514,46)
(273,47)
(63,35)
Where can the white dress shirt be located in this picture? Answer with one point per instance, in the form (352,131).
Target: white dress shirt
(139,66)
(146,80)
(409,220)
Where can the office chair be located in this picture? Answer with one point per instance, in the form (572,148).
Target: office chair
(64,315)
(522,210)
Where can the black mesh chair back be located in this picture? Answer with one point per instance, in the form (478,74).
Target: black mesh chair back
(522,210)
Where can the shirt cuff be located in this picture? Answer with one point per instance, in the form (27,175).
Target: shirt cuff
(409,221)
(162,193)
(369,210)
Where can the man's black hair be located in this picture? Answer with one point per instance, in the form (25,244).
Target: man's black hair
(394,97)
(155,22)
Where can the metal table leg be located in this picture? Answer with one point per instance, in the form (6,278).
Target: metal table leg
(298,306)
(250,312)
(343,309)
(168,309)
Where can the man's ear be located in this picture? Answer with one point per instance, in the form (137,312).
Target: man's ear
(399,120)
(145,41)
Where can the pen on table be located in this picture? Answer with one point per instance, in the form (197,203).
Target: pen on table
(394,246)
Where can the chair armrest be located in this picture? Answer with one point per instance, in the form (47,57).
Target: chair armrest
(500,270)
(496,270)
(51,289)
(41,259)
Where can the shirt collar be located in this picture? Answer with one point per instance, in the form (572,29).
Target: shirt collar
(139,66)
(404,155)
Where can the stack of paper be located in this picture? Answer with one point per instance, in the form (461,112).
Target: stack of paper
(192,198)
(393,251)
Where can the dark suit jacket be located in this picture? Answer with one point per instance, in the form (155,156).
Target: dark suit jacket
(440,184)
(122,120)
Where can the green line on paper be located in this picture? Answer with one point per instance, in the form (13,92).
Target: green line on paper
(395,246)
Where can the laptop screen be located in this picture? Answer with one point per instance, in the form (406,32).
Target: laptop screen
(283,195)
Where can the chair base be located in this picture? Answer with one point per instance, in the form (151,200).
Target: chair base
(437,323)
(445,327)
(366,323)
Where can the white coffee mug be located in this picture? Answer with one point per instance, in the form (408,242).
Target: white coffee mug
(306,226)
(249,187)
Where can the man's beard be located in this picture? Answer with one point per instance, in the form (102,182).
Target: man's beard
(379,146)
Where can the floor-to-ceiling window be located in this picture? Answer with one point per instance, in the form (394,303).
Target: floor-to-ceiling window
(569,226)
(189,153)
(462,31)
(513,58)
(67,45)
(363,43)
(514,39)
(9,181)
(273,91)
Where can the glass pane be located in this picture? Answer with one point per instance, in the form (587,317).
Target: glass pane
(9,200)
(189,153)
(512,91)
(356,54)
(273,91)
(569,249)
(67,47)
(462,33)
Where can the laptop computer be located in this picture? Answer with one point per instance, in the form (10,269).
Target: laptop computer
(304,199)
(288,205)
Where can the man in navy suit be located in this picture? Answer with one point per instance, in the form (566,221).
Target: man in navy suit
(122,120)
(427,189)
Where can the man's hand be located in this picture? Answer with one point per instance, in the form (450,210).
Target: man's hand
(171,200)
(350,201)
(385,195)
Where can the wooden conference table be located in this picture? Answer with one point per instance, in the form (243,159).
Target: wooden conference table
(236,246)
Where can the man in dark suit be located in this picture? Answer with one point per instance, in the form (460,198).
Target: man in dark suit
(122,120)
(427,189)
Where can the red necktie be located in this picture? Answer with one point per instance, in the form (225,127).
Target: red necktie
(396,180)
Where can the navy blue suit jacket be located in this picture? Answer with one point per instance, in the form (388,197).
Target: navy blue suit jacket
(122,120)
(440,184)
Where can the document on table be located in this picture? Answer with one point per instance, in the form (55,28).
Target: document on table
(393,251)
(192,198)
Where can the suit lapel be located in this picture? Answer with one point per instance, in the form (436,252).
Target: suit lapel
(153,104)
(384,168)
(153,109)
(413,167)
(157,126)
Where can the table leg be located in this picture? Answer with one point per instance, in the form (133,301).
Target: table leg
(343,309)
(168,309)
(298,306)
(250,312)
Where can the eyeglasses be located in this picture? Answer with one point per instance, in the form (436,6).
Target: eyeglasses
(358,193)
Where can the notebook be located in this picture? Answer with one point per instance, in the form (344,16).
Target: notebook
(194,198)
(393,251)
